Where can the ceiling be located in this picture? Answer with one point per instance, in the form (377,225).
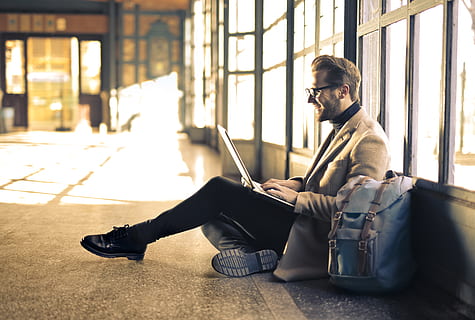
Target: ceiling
(154,5)
(89,6)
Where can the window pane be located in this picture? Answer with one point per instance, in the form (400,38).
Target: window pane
(299,28)
(241,106)
(395,91)
(298,103)
(303,112)
(465,112)
(428,66)
(275,45)
(129,50)
(273,10)
(310,12)
(15,66)
(370,74)
(369,10)
(339,16)
(199,113)
(339,49)
(394,4)
(241,53)
(90,67)
(326,50)
(326,19)
(273,106)
(241,16)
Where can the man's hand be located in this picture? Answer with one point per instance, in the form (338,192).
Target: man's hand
(295,185)
(284,189)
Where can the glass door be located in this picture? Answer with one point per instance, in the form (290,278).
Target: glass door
(53,86)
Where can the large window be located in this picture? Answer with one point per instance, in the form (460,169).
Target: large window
(410,86)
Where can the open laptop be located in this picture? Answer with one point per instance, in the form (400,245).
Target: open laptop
(255,186)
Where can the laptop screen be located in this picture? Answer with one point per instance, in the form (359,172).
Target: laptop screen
(235,155)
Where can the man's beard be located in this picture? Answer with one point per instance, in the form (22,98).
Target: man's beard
(331,109)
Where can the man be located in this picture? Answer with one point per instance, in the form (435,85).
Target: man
(251,233)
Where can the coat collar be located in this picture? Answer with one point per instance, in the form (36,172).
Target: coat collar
(331,147)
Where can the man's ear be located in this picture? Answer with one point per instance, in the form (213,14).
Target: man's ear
(344,91)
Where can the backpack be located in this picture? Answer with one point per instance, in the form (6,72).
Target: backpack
(369,242)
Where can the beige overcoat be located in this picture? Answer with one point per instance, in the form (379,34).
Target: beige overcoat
(359,148)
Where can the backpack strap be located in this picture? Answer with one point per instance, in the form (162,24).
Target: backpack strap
(336,221)
(362,244)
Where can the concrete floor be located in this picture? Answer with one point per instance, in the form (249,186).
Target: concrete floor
(57,187)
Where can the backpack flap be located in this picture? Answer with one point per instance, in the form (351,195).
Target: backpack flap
(361,201)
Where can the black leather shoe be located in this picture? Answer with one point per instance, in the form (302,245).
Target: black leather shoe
(115,244)
(238,263)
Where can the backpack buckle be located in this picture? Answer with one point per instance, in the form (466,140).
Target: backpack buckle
(362,245)
(338,215)
(370,216)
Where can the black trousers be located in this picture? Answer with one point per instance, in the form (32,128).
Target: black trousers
(230,216)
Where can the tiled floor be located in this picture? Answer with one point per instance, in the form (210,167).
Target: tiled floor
(57,187)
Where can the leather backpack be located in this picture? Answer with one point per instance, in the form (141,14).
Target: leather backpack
(370,239)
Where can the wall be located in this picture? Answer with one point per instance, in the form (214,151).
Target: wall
(54,23)
(444,237)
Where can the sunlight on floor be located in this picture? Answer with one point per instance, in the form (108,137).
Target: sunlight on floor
(142,163)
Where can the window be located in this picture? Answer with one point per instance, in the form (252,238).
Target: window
(331,27)
(199,112)
(303,119)
(241,16)
(465,110)
(427,92)
(241,51)
(395,91)
(273,106)
(241,106)
(370,74)
(90,67)
(394,4)
(412,82)
(275,44)
(274,76)
(330,42)
(369,10)
(15,66)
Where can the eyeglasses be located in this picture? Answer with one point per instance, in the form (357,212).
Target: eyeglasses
(315,92)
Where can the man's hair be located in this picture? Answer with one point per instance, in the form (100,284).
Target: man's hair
(340,71)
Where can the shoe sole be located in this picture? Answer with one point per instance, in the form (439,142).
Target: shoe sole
(112,255)
(235,263)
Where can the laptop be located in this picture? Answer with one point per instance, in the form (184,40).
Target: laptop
(253,185)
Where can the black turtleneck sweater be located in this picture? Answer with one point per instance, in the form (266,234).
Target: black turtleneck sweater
(340,121)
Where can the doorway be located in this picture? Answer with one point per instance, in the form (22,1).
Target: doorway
(52,80)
